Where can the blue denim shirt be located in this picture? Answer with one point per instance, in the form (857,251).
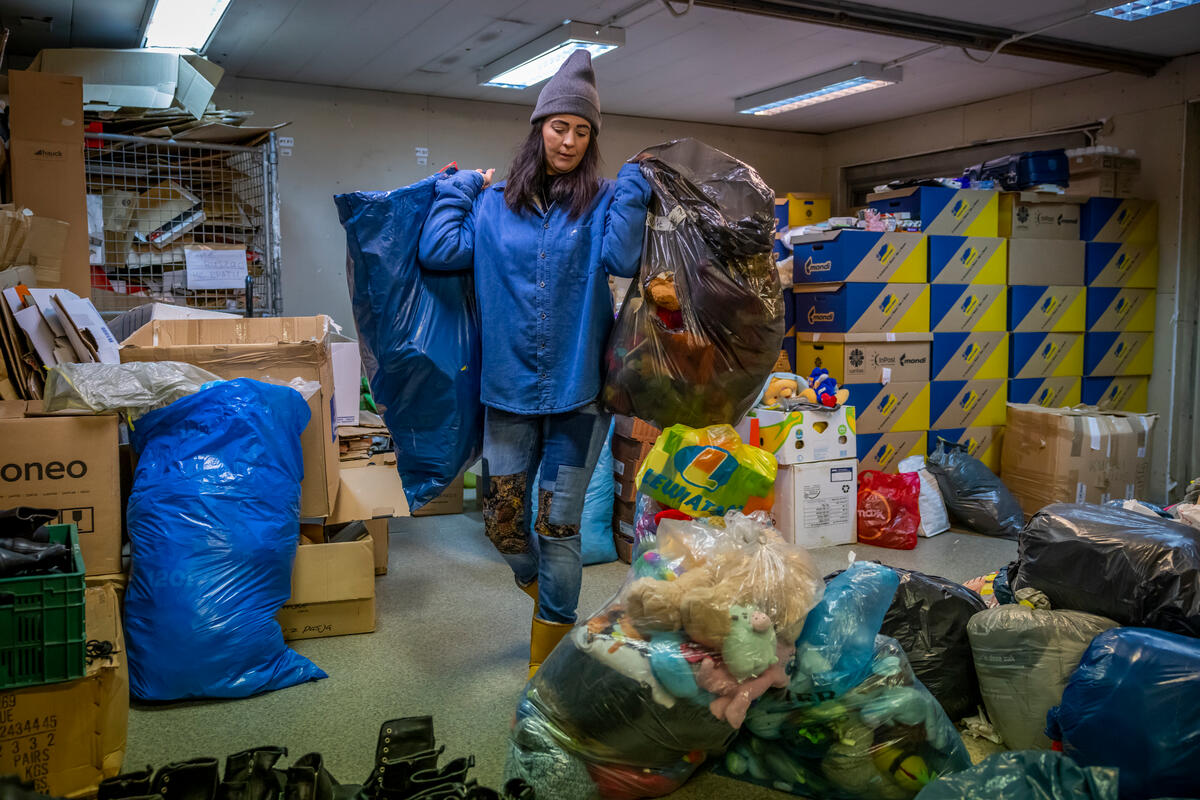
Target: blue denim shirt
(541,281)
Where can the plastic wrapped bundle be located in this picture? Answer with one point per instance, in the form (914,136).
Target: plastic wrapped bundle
(701,326)
(1025,775)
(134,389)
(1023,657)
(637,696)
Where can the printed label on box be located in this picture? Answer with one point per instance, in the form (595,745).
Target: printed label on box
(1113,309)
(1046,355)
(892,407)
(968,259)
(1046,308)
(967,307)
(1045,392)
(966,356)
(1128,393)
(1118,353)
(863,307)
(1128,264)
(884,451)
(966,404)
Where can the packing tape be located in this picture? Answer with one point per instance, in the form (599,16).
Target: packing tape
(891,337)
(816,338)
(1094,432)
(887,375)
(1129,491)
(1080,493)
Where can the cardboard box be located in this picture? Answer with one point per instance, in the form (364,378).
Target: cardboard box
(624,514)
(787,353)
(275,347)
(894,407)
(1047,308)
(1105,183)
(801,437)
(347,380)
(1084,163)
(954,307)
(862,308)
(1110,219)
(637,429)
(983,443)
(781,227)
(860,257)
(137,78)
(816,504)
(1118,353)
(65,738)
(68,462)
(805,208)
(1039,215)
(46,154)
(1112,309)
(787,356)
(1127,393)
(370,491)
(885,451)
(628,455)
(45,248)
(968,356)
(449,501)
(967,404)
(376,533)
(333,591)
(1071,455)
(943,211)
(1046,355)
(126,324)
(1046,392)
(1040,262)
(865,357)
(968,259)
(1127,264)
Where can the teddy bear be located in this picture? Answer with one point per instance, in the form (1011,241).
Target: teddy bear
(781,387)
(749,647)
(823,390)
(661,290)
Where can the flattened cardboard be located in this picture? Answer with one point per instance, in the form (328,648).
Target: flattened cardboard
(1046,355)
(967,404)
(862,308)
(333,591)
(1037,215)
(801,437)
(1046,392)
(1124,393)
(967,356)
(1041,262)
(983,443)
(968,259)
(1118,353)
(1127,264)
(954,308)
(885,451)
(865,357)
(894,407)
(1113,309)
(1060,309)
(368,492)
(860,257)
(816,504)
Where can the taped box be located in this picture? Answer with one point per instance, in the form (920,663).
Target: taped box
(865,357)
(862,308)
(816,504)
(860,257)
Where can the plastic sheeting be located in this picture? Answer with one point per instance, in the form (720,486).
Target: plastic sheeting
(214,519)
(135,388)
(974,496)
(711,230)
(888,509)
(1023,658)
(419,337)
(1132,704)
(934,519)
(1133,568)
(1026,775)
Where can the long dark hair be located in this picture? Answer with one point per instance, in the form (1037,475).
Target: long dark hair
(527,175)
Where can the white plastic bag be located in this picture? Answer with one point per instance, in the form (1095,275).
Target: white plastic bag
(933,509)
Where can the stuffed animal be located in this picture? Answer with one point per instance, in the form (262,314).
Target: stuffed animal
(823,390)
(661,291)
(655,605)
(781,388)
(749,648)
(733,696)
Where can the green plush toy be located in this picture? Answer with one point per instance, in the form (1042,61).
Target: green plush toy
(749,649)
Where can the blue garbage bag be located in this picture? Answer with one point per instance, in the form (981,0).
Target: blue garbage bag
(214,519)
(419,337)
(1025,775)
(595,529)
(1131,704)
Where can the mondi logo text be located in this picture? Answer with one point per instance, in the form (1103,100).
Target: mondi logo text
(37,471)
(811,266)
(815,316)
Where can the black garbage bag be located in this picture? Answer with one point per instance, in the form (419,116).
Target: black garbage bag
(1135,569)
(708,244)
(974,496)
(1025,775)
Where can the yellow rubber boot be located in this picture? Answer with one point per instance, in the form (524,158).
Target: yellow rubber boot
(543,637)
(531,589)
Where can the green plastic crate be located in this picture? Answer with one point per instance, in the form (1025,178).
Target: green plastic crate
(42,638)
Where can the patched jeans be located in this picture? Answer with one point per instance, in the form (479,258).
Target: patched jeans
(566,447)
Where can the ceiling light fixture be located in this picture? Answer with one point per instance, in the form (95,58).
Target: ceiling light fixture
(1140,9)
(861,76)
(533,63)
(184,23)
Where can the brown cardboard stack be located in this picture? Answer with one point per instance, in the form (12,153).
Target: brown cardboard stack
(1104,174)
(1075,455)
(632,440)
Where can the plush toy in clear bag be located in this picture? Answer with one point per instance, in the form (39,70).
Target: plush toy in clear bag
(643,692)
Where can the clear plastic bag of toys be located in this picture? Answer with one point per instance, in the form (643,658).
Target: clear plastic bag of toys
(659,680)
(700,328)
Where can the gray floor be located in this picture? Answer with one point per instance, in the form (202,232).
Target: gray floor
(451,641)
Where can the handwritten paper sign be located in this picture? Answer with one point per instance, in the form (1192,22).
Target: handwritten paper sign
(215,269)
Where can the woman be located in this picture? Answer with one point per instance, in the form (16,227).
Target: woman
(542,245)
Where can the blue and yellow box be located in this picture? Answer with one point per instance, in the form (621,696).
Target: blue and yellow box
(978,355)
(781,227)
(944,211)
(984,443)
(958,307)
(967,404)
(1119,219)
(787,353)
(862,308)
(865,357)
(806,208)
(885,451)
(968,259)
(1126,393)
(1059,309)
(860,257)
(1112,309)
(897,406)
(1118,353)
(1046,355)
(1128,264)
(1046,392)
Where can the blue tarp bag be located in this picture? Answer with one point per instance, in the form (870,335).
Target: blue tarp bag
(419,337)
(595,529)
(1131,704)
(1025,775)
(214,519)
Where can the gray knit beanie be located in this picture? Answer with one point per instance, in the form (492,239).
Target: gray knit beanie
(572,90)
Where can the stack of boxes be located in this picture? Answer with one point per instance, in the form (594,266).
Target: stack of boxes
(632,441)
(793,211)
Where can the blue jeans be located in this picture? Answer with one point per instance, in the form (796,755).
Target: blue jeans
(566,447)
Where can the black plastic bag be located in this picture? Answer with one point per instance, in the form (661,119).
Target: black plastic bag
(1120,564)
(974,496)
(1025,775)
(711,232)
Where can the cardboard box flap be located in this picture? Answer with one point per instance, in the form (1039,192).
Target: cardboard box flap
(849,338)
(369,492)
(326,573)
(809,288)
(231,331)
(810,238)
(1045,197)
(103,614)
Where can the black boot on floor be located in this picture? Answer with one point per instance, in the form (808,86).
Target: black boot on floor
(127,784)
(187,780)
(406,736)
(452,776)
(255,769)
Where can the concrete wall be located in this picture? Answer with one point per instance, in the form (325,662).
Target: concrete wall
(1146,115)
(349,140)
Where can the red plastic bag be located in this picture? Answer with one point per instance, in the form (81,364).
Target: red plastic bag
(889,514)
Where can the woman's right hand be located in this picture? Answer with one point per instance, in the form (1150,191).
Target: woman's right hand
(487,176)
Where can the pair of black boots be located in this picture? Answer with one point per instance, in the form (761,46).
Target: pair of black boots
(406,768)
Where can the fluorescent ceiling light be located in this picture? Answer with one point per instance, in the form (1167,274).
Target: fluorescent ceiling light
(535,62)
(184,23)
(1140,9)
(860,76)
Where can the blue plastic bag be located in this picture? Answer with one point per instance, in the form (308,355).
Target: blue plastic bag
(1025,775)
(419,337)
(214,519)
(1131,704)
(595,529)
